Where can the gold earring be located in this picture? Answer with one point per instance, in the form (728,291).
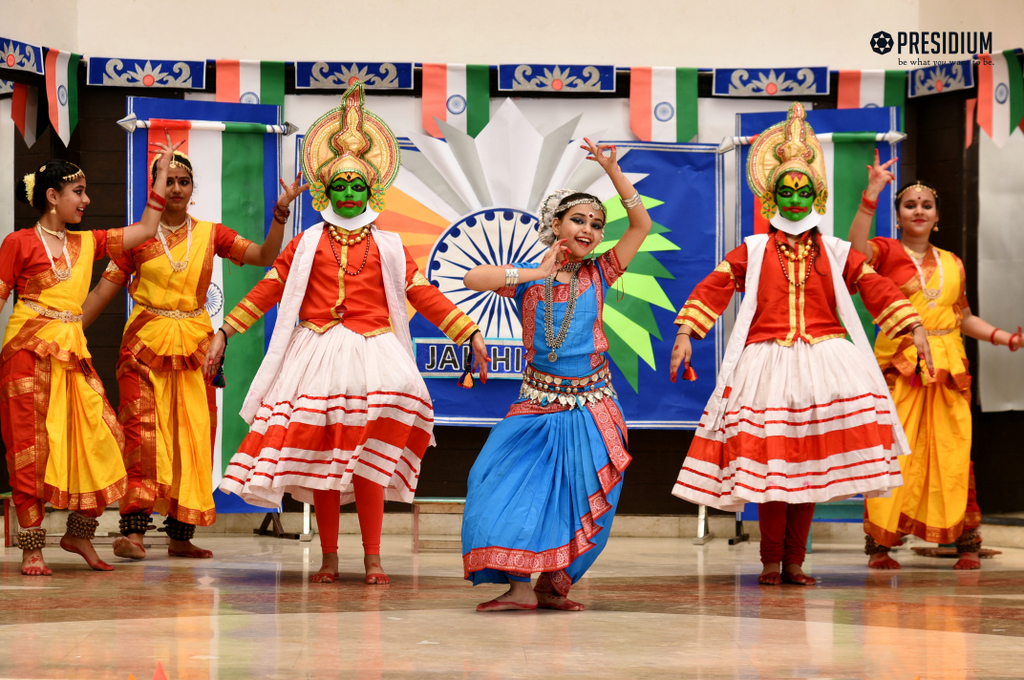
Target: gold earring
(936,227)
(53,210)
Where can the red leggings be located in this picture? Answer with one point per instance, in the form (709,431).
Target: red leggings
(784,529)
(369,508)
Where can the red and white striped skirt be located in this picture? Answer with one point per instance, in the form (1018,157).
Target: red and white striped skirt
(342,405)
(801,424)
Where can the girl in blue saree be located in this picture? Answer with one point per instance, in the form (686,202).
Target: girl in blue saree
(543,491)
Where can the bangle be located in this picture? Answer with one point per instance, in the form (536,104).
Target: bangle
(154,207)
(992,338)
(281,214)
(867,202)
(1019,335)
(160,200)
(632,202)
(511,277)
(221,330)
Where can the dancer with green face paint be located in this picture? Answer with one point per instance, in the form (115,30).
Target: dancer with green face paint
(800,415)
(338,410)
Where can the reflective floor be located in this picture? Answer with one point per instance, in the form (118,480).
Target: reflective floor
(656,608)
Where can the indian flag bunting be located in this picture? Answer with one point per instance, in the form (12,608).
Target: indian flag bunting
(663,103)
(26,112)
(1000,95)
(250,82)
(62,91)
(458,94)
(872,89)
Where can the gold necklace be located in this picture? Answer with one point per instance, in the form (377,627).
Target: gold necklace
(177,266)
(56,234)
(346,238)
(930,294)
(60,274)
(176,227)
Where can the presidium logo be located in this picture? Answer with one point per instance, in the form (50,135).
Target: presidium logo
(933,42)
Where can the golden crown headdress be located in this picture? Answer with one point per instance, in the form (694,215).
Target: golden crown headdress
(350,139)
(787,147)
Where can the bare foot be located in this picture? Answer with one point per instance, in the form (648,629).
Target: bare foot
(83,547)
(794,575)
(556,601)
(520,595)
(186,549)
(33,564)
(770,575)
(882,561)
(968,560)
(374,572)
(130,546)
(328,570)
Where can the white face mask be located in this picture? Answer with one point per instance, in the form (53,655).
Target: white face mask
(792,228)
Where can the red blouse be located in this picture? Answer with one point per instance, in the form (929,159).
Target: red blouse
(787,312)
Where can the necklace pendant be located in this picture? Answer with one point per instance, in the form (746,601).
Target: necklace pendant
(932,304)
(552,357)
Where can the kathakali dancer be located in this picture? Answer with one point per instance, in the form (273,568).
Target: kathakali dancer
(543,491)
(338,410)
(937,500)
(64,444)
(799,415)
(168,434)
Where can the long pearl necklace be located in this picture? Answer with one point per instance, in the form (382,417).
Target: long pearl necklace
(176,265)
(61,274)
(930,294)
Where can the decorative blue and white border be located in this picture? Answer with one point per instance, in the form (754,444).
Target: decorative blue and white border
(770,82)
(20,56)
(938,79)
(339,75)
(555,78)
(173,73)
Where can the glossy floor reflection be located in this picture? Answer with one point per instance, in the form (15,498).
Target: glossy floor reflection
(656,608)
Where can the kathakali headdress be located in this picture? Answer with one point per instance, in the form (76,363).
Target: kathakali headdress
(787,147)
(350,139)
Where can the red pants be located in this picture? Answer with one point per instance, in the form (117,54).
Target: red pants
(369,508)
(784,529)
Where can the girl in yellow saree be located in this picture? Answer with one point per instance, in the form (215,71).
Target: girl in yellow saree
(936,502)
(64,444)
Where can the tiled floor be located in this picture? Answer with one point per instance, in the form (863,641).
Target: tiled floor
(656,608)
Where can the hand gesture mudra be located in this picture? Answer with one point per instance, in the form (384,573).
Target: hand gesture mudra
(553,259)
(290,193)
(879,175)
(597,153)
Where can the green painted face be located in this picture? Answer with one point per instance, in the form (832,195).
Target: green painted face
(348,194)
(794,195)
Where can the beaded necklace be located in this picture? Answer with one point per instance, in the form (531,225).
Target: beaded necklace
(554,342)
(61,274)
(176,265)
(803,252)
(930,294)
(362,234)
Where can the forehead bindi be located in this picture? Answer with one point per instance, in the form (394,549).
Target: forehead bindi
(919,195)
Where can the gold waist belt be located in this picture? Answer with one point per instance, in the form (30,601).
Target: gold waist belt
(544,388)
(943,331)
(174,313)
(64,316)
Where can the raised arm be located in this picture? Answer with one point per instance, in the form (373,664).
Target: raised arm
(979,329)
(145,228)
(639,221)
(98,299)
(491,277)
(860,230)
(265,254)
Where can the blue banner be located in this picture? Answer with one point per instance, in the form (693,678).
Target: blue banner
(555,78)
(339,75)
(943,78)
(20,56)
(771,82)
(162,73)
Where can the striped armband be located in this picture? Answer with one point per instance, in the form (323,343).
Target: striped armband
(243,316)
(898,318)
(458,327)
(697,316)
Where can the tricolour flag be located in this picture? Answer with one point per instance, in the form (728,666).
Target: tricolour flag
(62,91)
(250,82)
(663,103)
(1000,95)
(26,112)
(458,94)
(872,89)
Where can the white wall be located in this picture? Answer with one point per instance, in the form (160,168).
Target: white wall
(728,33)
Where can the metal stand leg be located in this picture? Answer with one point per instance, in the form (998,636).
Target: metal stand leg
(277,530)
(740,537)
(703,526)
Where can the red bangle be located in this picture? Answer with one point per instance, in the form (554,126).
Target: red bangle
(1018,334)
(867,202)
(153,196)
(154,207)
(992,338)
